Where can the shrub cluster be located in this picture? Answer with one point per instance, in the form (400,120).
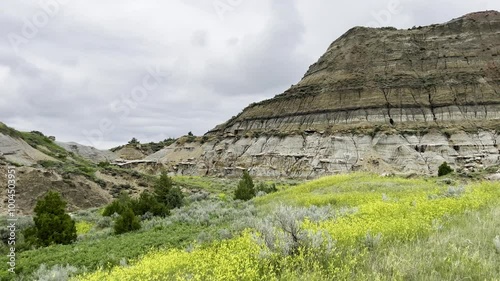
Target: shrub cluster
(266,188)
(165,198)
(282,233)
(55,273)
(210,212)
(126,222)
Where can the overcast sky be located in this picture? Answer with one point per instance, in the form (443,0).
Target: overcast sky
(102,72)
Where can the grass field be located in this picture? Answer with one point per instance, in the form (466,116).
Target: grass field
(104,252)
(346,227)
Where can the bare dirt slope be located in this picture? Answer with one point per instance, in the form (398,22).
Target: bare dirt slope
(18,151)
(88,152)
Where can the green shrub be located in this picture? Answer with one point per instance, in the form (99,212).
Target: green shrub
(47,164)
(166,194)
(267,188)
(118,206)
(56,273)
(245,190)
(52,224)
(104,222)
(133,141)
(147,202)
(103,164)
(444,169)
(127,222)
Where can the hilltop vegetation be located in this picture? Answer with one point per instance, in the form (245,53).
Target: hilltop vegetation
(146,148)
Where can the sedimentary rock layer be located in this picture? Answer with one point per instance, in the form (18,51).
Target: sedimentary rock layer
(382,100)
(430,74)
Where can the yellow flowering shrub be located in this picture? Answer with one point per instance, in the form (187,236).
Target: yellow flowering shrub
(236,259)
(83,227)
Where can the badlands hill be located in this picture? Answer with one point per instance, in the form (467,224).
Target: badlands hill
(383,100)
(43,164)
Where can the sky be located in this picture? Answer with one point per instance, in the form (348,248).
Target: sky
(100,72)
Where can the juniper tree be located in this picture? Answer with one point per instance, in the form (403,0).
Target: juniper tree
(52,224)
(245,190)
(166,193)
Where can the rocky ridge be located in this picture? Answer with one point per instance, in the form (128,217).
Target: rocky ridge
(383,100)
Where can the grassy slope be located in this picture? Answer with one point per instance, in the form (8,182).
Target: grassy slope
(407,212)
(103,252)
(464,250)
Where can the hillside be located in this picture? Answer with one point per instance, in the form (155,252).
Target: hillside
(42,164)
(88,152)
(381,100)
(347,227)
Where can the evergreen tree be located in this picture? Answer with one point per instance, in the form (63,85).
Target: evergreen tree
(444,169)
(246,189)
(147,202)
(52,224)
(166,193)
(133,141)
(118,206)
(127,222)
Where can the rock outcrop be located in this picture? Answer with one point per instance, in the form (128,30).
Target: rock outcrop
(88,152)
(431,74)
(378,99)
(16,150)
(314,155)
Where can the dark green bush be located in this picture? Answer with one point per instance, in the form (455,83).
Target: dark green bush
(133,141)
(103,164)
(444,169)
(118,206)
(166,193)
(245,190)
(267,188)
(147,202)
(47,164)
(52,224)
(127,222)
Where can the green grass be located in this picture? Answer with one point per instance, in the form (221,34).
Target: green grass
(103,252)
(428,231)
(463,250)
(4,129)
(44,144)
(224,185)
(210,184)
(346,190)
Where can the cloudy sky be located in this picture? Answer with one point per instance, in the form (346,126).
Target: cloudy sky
(100,72)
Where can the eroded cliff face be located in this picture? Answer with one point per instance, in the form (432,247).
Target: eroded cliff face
(314,155)
(382,100)
(431,74)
